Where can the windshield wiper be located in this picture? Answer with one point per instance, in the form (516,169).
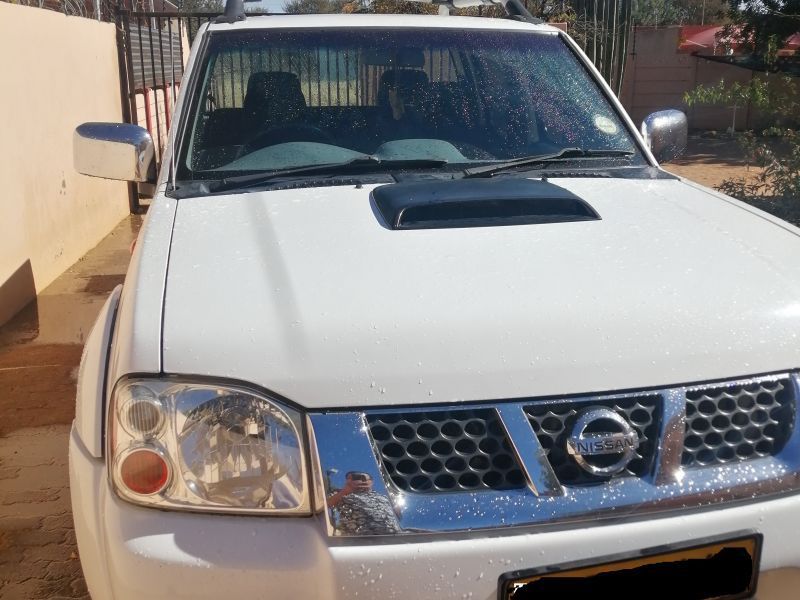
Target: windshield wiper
(489,170)
(361,163)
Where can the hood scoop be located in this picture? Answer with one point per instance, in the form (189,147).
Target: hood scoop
(442,204)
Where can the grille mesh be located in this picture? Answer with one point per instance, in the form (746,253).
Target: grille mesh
(553,424)
(738,422)
(445,451)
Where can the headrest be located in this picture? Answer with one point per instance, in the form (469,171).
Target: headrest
(274,95)
(410,82)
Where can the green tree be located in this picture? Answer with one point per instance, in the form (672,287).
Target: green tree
(658,13)
(704,12)
(202,6)
(312,6)
(679,12)
(761,26)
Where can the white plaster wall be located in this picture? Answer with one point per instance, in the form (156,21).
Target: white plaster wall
(55,73)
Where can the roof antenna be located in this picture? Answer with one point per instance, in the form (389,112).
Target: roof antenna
(234,11)
(516,10)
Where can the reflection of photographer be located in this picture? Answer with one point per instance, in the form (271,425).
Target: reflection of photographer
(354,483)
(362,510)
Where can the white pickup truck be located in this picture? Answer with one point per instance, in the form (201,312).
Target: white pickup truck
(416,314)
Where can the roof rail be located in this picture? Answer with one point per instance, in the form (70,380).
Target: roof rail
(515,9)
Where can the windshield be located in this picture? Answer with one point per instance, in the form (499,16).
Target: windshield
(272,100)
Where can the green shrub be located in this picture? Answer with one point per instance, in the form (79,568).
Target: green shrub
(776,150)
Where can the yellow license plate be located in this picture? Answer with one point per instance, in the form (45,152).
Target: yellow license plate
(703,570)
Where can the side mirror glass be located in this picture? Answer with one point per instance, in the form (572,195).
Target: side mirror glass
(665,132)
(114,151)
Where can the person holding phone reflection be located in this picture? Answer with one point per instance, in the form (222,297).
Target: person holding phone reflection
(361,510)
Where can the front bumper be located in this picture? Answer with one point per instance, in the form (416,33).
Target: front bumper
(133,552)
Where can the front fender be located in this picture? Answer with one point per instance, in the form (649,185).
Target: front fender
(91,397)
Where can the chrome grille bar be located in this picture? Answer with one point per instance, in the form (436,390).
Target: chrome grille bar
(530,454)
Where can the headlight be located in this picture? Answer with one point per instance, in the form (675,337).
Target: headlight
(201,446)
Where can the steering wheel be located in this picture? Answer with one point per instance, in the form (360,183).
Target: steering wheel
(287,132)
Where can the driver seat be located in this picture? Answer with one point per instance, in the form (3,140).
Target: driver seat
(414,90)
(412,84)
(274,98)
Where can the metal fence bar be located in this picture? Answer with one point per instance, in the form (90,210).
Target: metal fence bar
(128,101)
(347,76)
(172,58)
(338,81)
(319,77)
(155,96)
(358,81)
(241,72)
(180,38)
(328,71)
(163,73)
(141,55)
(232,81)
(603,28)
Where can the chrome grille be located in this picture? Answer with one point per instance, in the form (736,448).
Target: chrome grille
(458,496)
(730,423)
(445,451)
(553,422)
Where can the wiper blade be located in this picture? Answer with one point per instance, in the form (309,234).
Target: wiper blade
(361,163)
(489,170)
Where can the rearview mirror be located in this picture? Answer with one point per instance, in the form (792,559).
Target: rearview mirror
(665,132)
(114,151)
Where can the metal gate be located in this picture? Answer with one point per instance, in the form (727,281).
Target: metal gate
(602,28)
(152,49)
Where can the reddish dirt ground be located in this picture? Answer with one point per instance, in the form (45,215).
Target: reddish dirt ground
(709,161)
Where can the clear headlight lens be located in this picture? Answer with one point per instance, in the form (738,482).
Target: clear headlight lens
(141,412)
(205,447)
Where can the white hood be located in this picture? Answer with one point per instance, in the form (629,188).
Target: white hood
(303,292)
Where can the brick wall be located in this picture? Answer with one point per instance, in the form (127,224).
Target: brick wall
(657,76)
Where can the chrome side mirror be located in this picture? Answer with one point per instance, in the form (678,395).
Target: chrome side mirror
(665,133)
(114,151)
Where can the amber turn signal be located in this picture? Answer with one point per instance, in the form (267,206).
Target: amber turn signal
(144,471)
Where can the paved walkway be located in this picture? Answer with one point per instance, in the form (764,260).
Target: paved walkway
(40,350)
